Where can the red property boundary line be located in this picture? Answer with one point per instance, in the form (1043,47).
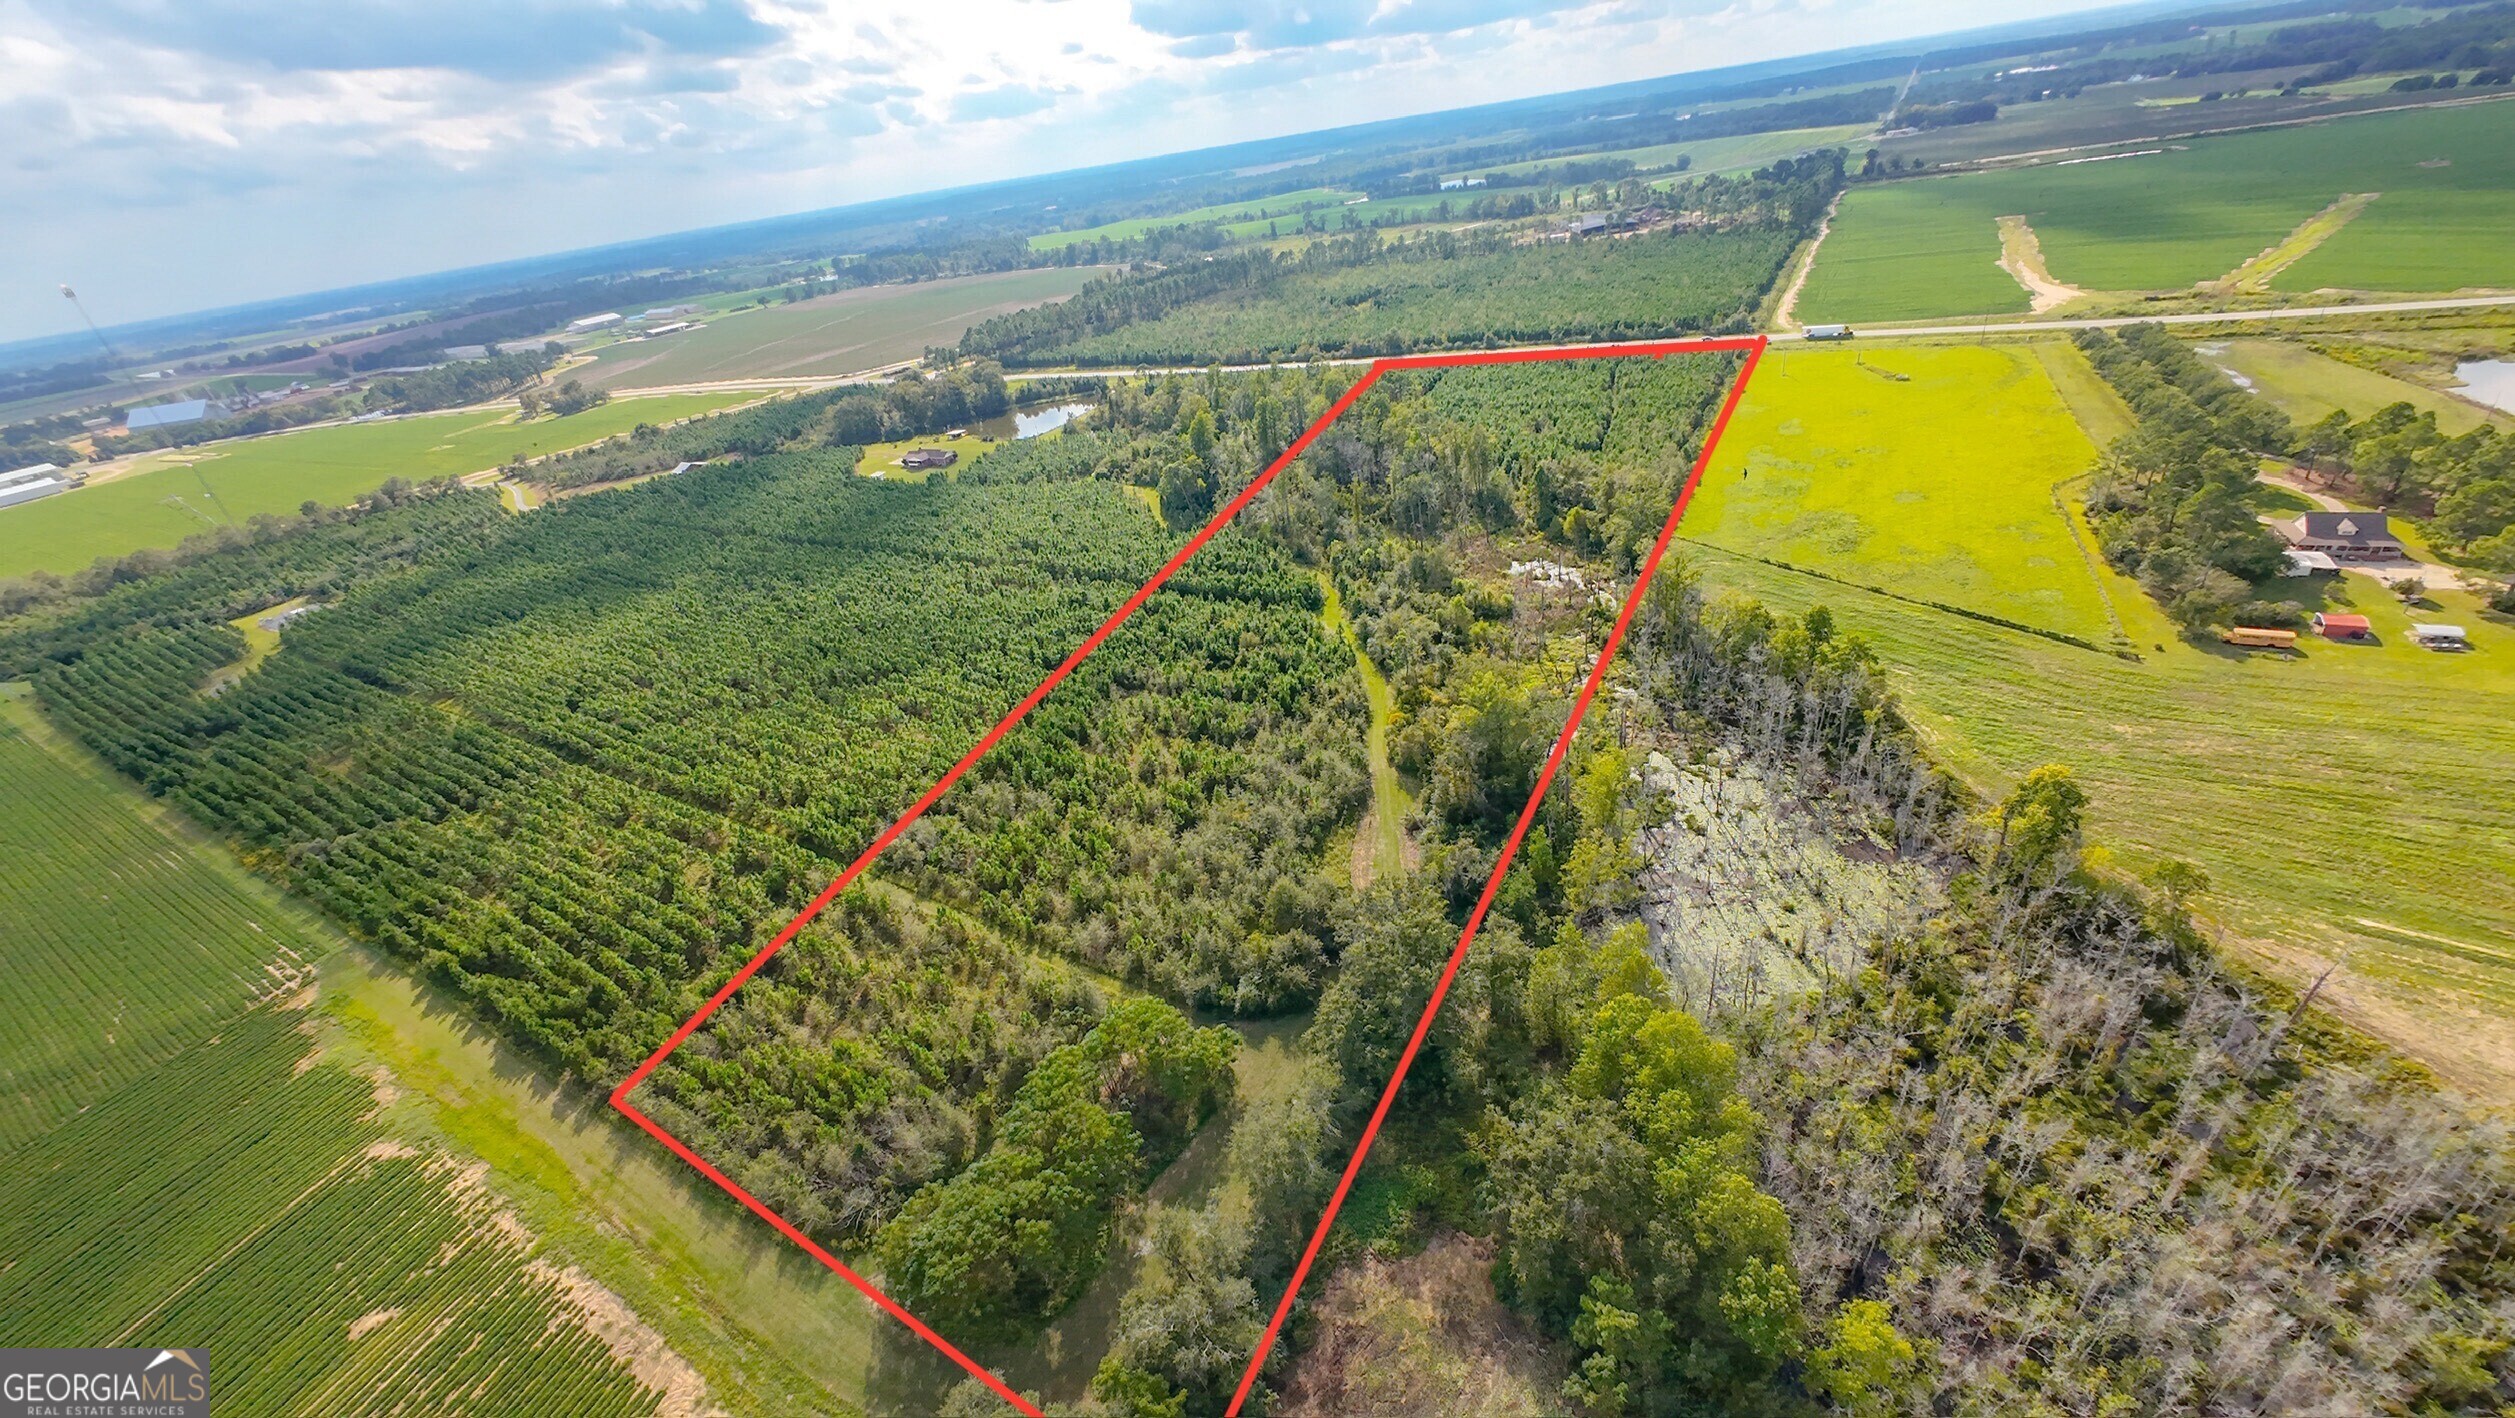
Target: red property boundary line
(1751,346)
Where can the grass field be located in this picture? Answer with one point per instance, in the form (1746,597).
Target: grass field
(175,494)
(2350,802)
(133,945)
(1836,464)
(1256,212)
(852,331)
(2192,212)
(2308,386)
(1736,153)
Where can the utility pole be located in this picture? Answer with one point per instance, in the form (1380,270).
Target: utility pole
(111,359)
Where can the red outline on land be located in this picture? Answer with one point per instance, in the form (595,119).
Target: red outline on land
(1752,346)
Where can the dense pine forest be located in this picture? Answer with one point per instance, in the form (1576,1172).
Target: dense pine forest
(2020,1145)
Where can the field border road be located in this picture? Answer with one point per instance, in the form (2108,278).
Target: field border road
(1751,346)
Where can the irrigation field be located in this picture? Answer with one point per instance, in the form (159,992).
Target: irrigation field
(1842,460)
(184,491)
(845,333)
(2182,213)
(2350,803)
(123,945)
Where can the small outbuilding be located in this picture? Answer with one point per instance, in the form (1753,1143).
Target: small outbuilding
(2309,563)
(2440,637)
(2335,625)
(2347,536)
(917,458)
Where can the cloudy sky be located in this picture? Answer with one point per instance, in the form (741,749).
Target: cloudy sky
(170,155)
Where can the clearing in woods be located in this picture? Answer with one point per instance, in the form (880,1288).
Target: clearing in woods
(2348,802)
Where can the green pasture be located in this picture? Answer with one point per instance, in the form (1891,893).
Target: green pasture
(2350,802)
(2191,212)
(1910,251)
(180,492)
(845,333)
(1255,212)
(2308,386)
(1842,460)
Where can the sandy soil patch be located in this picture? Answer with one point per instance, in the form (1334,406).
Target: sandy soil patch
(2021,255)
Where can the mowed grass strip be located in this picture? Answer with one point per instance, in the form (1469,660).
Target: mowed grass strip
(2190,212)
(185,491)
(1847,461)
(2352,803)
(123,944)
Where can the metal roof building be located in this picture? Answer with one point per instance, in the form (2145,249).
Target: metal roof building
(181,411)
(27,484)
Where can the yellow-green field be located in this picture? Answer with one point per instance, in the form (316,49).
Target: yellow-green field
(1845,460)
(2351,803)
(177,493)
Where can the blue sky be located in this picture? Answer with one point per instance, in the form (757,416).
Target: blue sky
(170,155)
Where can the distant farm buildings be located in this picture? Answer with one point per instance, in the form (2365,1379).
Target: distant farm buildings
(2347,536)
(921,458)
(181,411)
(667,312)
(27,484)
(603,321)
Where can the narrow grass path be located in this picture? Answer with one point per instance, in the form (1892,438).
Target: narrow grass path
(1389,802)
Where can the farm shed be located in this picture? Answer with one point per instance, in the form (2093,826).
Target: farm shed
(27,484)
(2308,563)
(2440,637)
(2333,625)
(928,458)
(2348,536)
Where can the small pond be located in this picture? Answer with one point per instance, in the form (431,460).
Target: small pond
(1030,423)
(2488,381)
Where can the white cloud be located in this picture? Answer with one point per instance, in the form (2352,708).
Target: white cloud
(174,154)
